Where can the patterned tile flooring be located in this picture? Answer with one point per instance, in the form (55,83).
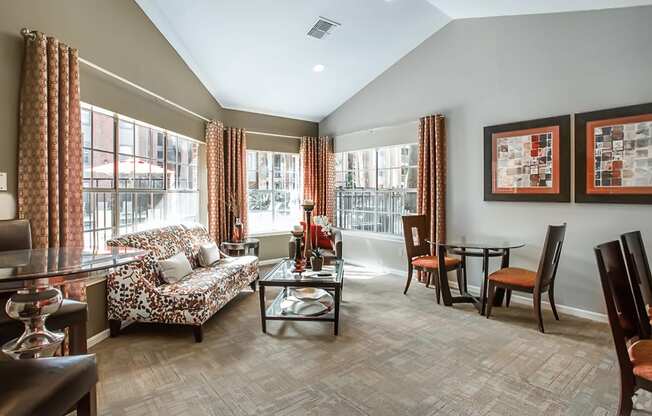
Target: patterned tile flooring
(396,355)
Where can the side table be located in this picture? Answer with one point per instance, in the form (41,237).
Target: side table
(248,246)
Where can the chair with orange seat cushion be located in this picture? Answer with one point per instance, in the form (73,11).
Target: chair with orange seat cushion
(523,280)
(419,254)
(625,309)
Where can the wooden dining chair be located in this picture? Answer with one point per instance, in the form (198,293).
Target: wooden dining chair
(638,266)
(419,253)
(634,354)
(523,280)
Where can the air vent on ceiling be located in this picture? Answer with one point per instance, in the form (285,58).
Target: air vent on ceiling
(322,28)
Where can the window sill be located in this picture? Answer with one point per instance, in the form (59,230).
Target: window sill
(269,234)
(373,236)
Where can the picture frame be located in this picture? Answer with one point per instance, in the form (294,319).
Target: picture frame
(528,161)
(613,155)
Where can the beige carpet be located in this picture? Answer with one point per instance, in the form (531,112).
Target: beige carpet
(396,355)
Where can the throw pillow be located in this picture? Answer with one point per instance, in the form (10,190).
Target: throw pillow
(208,254)
(318,237)
(174,268)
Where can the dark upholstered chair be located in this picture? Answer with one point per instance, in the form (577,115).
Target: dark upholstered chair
(16,235)
(48,386)
(623,299)
(536,283)
(419,253)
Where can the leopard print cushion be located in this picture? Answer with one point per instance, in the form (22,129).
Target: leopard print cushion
(135,292)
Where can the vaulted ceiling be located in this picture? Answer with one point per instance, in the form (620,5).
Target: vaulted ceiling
(255,55)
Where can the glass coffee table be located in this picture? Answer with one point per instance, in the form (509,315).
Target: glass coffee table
(309,296)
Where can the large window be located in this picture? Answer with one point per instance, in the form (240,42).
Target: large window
(273,181)
(375,187)
(136,176)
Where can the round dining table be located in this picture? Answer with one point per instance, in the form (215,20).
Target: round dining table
(480,248)
(32,275)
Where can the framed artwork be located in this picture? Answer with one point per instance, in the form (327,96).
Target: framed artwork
(528,161)
(613,155)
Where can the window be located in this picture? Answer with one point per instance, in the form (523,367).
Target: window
(375,187)
(273,181)
(136,176)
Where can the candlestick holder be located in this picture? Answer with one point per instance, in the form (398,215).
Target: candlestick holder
(299,262)
(308,206)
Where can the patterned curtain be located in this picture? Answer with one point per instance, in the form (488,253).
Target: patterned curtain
(50,148)
(318,158)
(217,225)
(226,155)
(431,182)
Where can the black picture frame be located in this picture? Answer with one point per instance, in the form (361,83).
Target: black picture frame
(581,172)
(564,194)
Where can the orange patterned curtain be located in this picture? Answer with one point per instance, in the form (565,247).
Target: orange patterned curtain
(431,182)
(235,173)
(318,158)
(226,155)
(217,227)
(50,148)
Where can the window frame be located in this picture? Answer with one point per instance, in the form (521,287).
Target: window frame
(273,191)
(116,191)
(375,194)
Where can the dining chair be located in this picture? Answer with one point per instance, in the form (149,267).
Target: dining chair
(17,235)
(638,265)
(419,253)
(534,282)
(634,354)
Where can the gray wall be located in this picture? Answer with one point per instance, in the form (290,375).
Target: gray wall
(118,36)
(480,72)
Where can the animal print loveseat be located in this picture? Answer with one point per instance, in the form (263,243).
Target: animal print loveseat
(136,292)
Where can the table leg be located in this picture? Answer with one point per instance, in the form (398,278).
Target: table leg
(338,297)
(485,280)
(263,316)
(443,278)
(33,306)
(500,292)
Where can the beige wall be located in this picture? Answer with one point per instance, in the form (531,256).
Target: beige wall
(482,72)
(115,35)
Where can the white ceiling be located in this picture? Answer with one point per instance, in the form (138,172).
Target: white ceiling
(254,55)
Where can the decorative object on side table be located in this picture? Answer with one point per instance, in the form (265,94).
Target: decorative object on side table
(308,205)
(613,158)
(317,260)
(299,263)
(528,161)
(233,206)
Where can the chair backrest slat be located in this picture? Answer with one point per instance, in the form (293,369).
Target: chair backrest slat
(550,256)
(626,291)
(415,233)
(637,263)
(613,280)
(15,235)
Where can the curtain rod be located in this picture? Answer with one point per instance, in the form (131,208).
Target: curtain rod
(31,34)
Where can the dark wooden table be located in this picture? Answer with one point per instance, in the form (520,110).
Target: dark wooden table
(283,277)
(484,249)
(33,275)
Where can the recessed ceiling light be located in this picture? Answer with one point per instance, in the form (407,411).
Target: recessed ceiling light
(318,68)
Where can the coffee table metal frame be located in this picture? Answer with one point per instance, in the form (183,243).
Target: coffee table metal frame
(273,312)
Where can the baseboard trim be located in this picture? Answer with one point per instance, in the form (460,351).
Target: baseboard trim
(270,261)
(522,300)
(97,338)
(568,310)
